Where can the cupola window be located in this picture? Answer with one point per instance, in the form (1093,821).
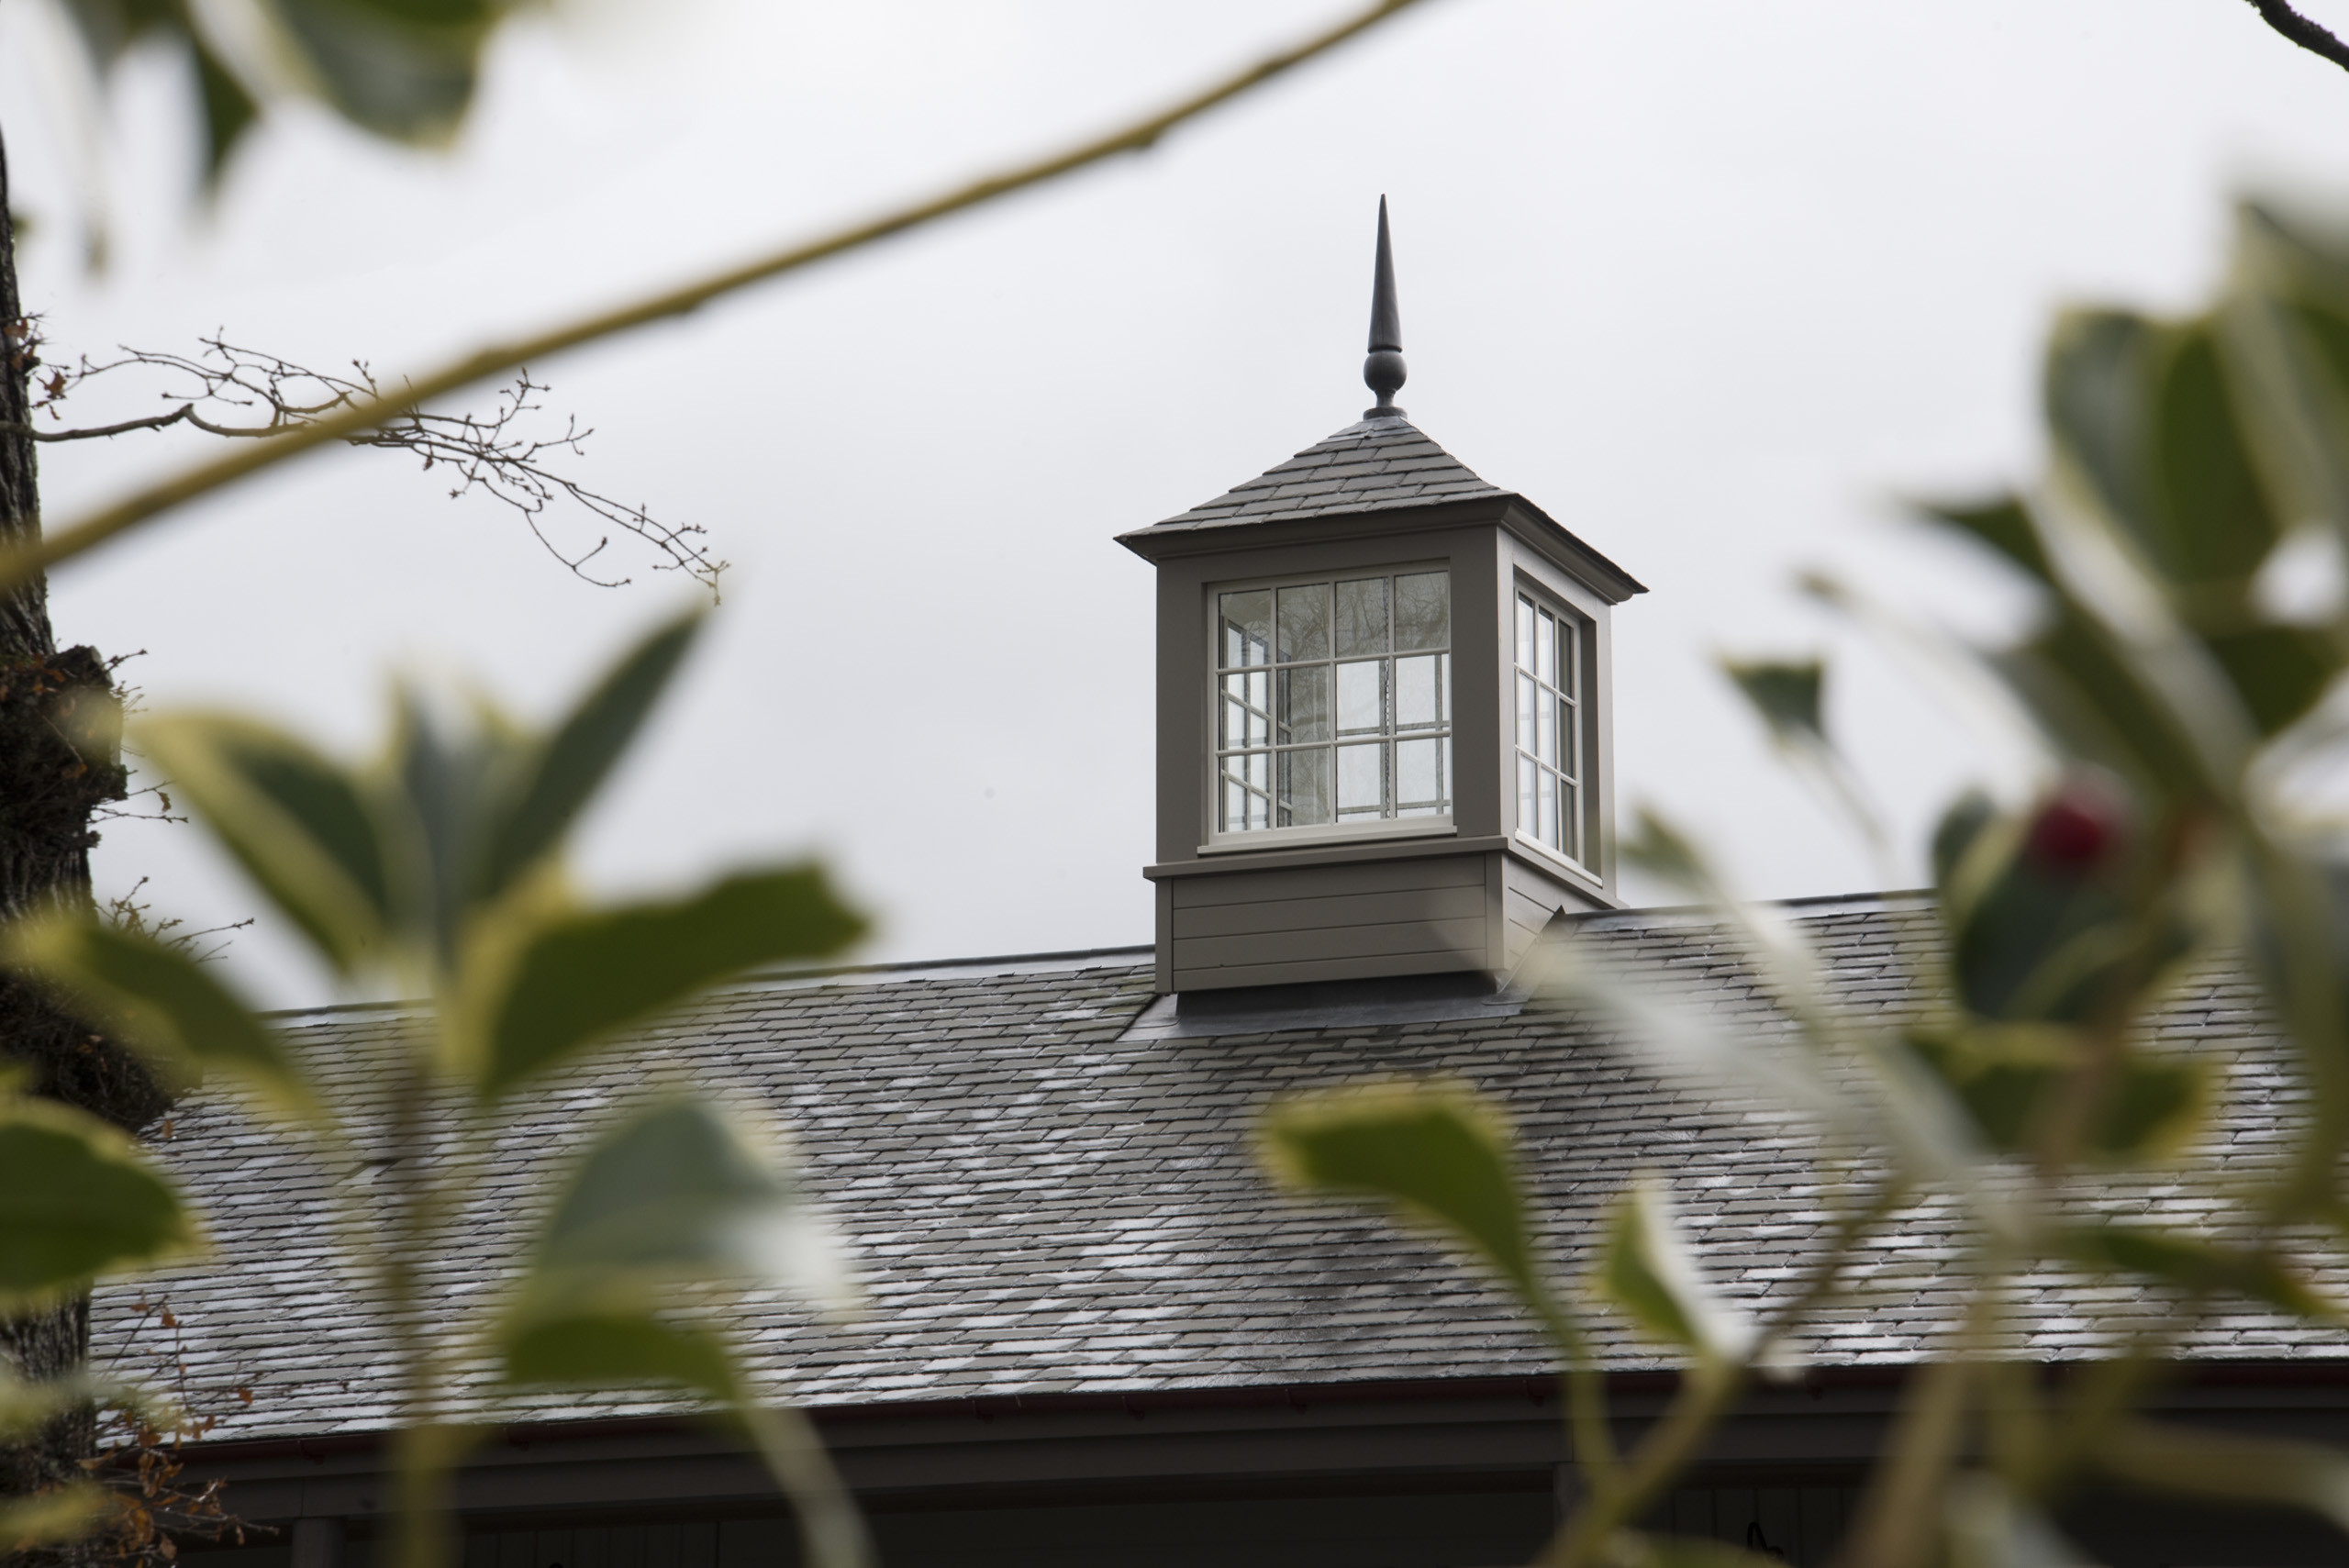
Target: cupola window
(1333,702)
(1549,727)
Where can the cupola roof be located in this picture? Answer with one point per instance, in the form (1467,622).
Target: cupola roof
(1380,464)
(1373,464)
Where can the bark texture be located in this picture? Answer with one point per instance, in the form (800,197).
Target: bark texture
(58,764)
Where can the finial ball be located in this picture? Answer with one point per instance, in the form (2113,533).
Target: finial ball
(1384,373)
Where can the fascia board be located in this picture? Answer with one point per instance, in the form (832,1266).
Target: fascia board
(1521,516)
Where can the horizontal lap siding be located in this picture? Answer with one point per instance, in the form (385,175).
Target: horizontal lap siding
(1529,898)
(1396,938)
(1345,908)
(1320,882)
(1529,907)
(1343,922)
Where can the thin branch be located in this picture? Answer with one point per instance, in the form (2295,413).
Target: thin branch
(248,395)
(2316,39)
(93,432)
(87,532)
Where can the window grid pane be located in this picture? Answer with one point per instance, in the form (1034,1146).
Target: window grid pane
(1549,727)
(1334,701)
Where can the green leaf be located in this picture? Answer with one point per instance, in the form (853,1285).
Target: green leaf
(1436,1156)
(2285,322)
(1956,836)
(2148,415)
(2004,526)
(2155,1109)
(2002,1089)
(301,828)
(2008,1078)
(446,784)
(228,110)
(2280,672)
(1645,1269)
(582,752)
(2095,389)
(2212,524)
(76,1201)
(2094,705)
(2039,932)
(163,1003)
(585,977)
(2037,945)
(403,68)
(2194,1264)
(676,1192)
(622,1349)
(1786,696)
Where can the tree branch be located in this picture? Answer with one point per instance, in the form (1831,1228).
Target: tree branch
(2316,39)
(501,453)
(87,532)
(91,433)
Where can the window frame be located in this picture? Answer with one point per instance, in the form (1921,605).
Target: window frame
(1588,821)
(1215,839)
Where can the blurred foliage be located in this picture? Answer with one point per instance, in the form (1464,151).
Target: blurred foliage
(403,69)
(75,1197)
(2187,548)
(436,872)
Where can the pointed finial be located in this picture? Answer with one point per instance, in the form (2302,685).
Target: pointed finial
(1383,372)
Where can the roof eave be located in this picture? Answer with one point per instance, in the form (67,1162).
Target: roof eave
(1586,561)
(1172,541)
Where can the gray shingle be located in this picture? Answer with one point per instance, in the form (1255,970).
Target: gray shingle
(1372,465)
(1040,1202)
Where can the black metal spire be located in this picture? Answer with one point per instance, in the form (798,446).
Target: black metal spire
(1383,372)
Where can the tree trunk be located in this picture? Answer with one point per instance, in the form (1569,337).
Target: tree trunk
(50,785)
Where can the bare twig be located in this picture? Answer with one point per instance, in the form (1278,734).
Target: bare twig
(129,912)
(97,527)
(243,394)
(139,1458)
(2316,39)
(94,433)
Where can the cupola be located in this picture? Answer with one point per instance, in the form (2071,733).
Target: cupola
(1383,743)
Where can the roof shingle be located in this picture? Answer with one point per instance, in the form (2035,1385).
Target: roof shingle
(1371,465)
(1043,1200)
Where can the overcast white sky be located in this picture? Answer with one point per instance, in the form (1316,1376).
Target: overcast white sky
(1713,282)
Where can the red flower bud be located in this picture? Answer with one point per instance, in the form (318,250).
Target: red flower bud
(2076,828)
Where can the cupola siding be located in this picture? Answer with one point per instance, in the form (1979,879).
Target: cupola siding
(1384,745)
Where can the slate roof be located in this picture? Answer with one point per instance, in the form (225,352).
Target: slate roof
(1371,465)
(1044,1199)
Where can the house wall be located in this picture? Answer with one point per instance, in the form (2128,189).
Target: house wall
(1472,1522)
(1435,911)
(1405,1476)
(1427,914)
